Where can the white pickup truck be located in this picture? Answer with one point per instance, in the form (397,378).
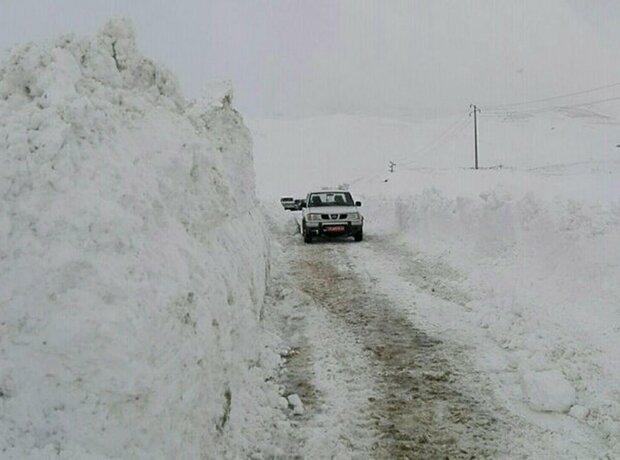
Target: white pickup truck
(331,213)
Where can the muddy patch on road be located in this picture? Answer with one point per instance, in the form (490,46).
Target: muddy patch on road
(419,408)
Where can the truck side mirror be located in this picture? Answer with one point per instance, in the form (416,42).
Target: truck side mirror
(358,203)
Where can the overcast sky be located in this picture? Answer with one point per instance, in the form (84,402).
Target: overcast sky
(300,57)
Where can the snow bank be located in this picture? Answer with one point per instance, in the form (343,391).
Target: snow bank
(132,262)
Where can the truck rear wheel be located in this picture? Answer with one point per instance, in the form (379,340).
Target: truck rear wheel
(359,236)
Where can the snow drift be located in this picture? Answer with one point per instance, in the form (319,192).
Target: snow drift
(132,263)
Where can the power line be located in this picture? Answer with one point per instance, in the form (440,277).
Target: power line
(549,107)
(454,128)
(444,135)
(552,98)
(431,146)
(600,101)
(450,135)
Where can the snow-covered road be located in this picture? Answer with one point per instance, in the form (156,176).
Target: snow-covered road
(378,380)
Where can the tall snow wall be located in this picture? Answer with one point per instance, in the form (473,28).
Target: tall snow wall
(132,261)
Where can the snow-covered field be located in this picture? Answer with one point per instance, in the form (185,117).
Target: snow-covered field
(533,240)
(132,262)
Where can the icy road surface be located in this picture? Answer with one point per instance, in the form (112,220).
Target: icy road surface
(374,382)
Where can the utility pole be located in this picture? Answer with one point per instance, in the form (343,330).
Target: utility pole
(392,164)
(475,112)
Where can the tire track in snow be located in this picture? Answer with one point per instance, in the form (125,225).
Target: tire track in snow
(418,406)
(324,364)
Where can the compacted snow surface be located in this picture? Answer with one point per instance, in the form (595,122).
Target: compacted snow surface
(132,261)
